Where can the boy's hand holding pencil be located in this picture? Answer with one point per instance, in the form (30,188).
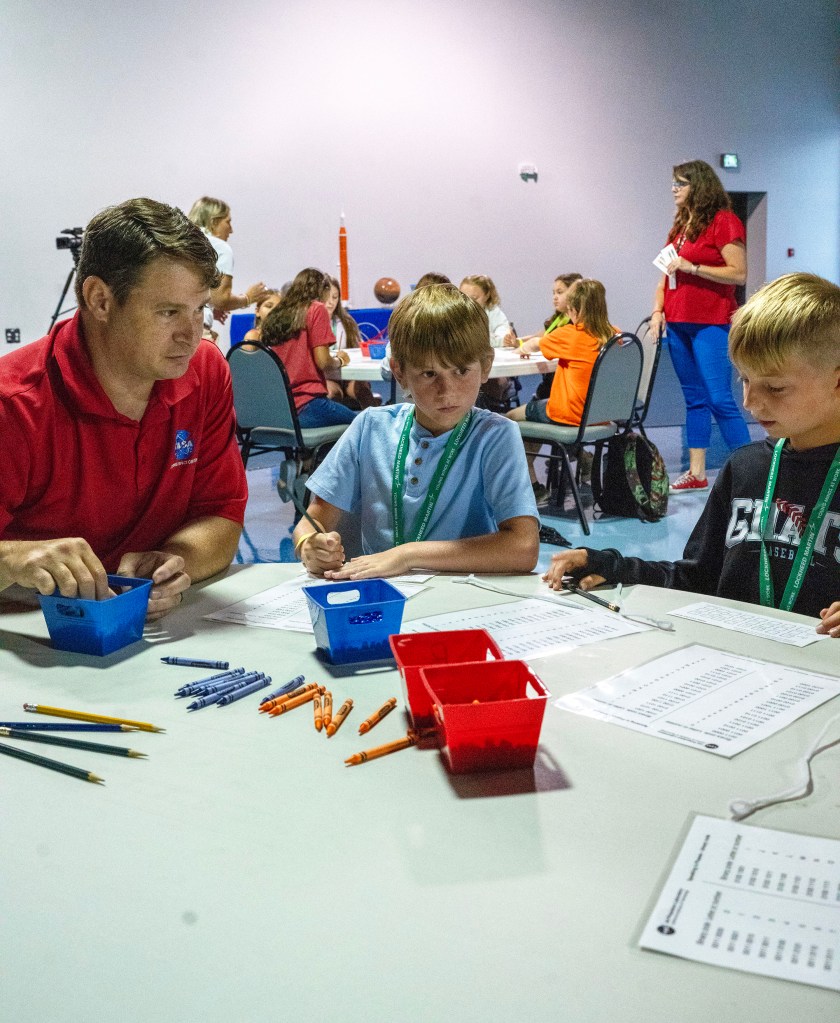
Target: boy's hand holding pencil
(320,552)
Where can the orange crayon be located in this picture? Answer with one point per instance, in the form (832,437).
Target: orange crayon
(264,708)
(298,701)
(341,714)
(319,713)
(378,715)
(382,751)
(327,708)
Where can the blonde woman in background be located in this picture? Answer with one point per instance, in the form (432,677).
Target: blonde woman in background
(214,218)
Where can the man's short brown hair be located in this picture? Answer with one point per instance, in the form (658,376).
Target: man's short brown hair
(121,241)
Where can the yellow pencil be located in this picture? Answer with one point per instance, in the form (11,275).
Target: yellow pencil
(78,715)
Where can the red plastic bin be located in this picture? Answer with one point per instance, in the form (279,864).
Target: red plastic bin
(413,651)
(488,714)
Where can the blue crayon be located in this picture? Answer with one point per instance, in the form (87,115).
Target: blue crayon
(287,688)
(211,698)
(192,688)
(260,683)
(195,662)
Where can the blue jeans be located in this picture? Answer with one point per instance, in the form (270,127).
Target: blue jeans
(699,352)
(535,412)
(324,412)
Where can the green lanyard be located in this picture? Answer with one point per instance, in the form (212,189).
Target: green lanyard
(560,320)
(450,453)
(809,537)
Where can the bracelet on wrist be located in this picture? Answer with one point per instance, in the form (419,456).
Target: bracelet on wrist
(302,541)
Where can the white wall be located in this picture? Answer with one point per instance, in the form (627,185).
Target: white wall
(412,116)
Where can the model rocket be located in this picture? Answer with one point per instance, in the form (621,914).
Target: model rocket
(344,277)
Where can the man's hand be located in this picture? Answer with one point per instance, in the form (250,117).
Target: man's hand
(571,563)
(169,580)
(322,553)
(67,565)
(372,566)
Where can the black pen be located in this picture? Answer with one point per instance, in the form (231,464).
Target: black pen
(573,587)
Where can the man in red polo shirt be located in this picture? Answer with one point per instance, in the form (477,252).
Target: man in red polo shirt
(118,449)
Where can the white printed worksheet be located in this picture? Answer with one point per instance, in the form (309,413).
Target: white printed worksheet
(531,628)
(701,697)
(752,899)
(779,630)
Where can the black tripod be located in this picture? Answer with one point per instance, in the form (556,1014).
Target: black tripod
(74,244)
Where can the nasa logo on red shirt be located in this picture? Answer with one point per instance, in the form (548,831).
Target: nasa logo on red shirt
(183,445)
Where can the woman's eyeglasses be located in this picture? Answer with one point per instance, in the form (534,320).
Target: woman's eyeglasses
(677,185)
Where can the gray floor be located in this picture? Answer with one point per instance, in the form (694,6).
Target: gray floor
(269,522)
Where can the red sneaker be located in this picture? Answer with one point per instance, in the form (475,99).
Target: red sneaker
(688,481)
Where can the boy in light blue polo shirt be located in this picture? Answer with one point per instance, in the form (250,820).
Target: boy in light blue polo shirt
(439,484)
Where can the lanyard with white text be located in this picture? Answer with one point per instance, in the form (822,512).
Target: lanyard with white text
(450,453)
(808,539)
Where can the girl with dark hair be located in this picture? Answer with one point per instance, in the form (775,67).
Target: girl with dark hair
(298,328)
(694,311)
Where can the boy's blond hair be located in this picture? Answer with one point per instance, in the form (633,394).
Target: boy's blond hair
(440,322)
(795,315)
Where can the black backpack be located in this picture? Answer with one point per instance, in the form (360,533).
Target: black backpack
(629,478)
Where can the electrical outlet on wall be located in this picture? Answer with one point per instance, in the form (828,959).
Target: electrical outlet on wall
(12,335)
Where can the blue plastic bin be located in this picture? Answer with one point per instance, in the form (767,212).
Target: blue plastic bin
(377,349)
(98,626)
(353,620)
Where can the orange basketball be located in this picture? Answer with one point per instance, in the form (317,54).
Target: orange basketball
(387,290)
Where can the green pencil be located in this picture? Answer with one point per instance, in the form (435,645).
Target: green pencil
(53,765)
(59,740)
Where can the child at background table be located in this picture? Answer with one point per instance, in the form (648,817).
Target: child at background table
(437,484)
(770,531)
(575,345)
(298,328)
(356,394)
(530,343)
(482,290)
(495,394)
(432,277)
(264,307)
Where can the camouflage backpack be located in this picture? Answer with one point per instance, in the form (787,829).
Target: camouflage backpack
(629,478)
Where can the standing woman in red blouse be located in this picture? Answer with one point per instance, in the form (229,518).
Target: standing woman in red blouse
(711,260)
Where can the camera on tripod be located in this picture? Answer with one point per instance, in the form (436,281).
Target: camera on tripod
(73,242)
(70,238)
